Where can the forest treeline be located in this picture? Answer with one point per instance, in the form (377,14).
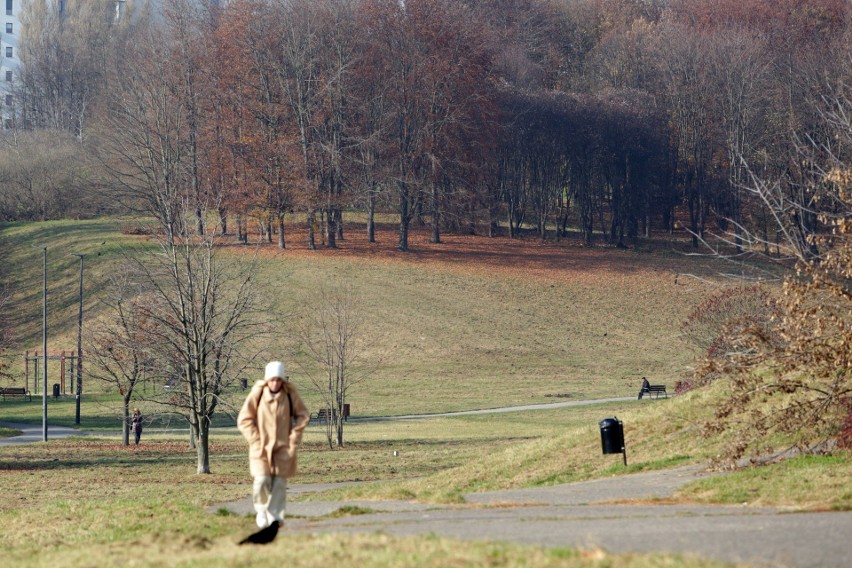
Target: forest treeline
(607,116)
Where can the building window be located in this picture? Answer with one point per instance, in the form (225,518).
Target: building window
(9,28)
(8,76)
(8,7)
(8,100)
(9,51)
(8,123)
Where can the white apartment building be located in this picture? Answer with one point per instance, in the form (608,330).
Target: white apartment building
(9,63)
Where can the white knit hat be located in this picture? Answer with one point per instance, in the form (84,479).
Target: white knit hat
(275,369)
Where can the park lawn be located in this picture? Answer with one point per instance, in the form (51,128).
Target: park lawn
(102,412)
(85,500)
(814,483)
(473,323)
(658,435)
(467,324)
(319,551)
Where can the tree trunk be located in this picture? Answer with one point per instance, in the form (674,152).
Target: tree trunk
(223,220)
(281,243)
(199,222)
(436,215)
(203,447)
(404,219)
(510,211)
(331,227)
(371,216)
(125,429)
(312,228)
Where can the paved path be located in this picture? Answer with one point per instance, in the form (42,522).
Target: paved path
(525,407)
(617,514)
(34,433)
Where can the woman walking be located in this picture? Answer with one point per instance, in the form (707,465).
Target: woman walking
(272,419)
(136,425)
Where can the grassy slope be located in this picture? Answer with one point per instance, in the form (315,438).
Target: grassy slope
(658,435)
(455,327)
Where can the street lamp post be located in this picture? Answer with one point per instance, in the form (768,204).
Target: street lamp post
(79,343)
(44,346)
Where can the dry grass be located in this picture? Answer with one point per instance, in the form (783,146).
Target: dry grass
(469,323)
(93,502)
(318,551)
(478,322)
(813,483)
(658,435)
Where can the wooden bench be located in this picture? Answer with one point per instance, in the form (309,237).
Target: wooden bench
(321,416)
(15,392)
(657,390)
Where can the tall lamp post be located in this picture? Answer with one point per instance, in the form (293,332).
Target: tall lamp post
(44,347)
(79,342)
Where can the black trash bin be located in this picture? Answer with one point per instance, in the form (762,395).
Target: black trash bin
(612,436)
(55,390)
(244,384)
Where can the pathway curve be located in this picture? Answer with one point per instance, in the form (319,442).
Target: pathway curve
(34,433)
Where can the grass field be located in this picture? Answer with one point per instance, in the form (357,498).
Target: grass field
(91,501)
(472,323)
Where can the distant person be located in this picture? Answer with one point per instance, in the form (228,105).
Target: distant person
(272,419)
(136,425)
(646,387)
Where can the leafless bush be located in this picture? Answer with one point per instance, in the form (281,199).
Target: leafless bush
(792,383)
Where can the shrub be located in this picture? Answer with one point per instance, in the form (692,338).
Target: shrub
(711,324)
(793,385)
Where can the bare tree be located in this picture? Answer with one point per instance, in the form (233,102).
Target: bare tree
(682,59)
(739,68)
(149,140)
(119,346)
(64,57)
(203,324)
(43,176)
(335,340)
(298,74)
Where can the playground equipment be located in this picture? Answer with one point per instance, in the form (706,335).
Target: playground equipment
(67,359)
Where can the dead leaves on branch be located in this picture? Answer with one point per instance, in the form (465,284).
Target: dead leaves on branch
(791,383)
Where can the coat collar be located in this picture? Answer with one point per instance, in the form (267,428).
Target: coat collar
(269,396)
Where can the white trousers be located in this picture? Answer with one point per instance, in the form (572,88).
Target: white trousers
(269,496)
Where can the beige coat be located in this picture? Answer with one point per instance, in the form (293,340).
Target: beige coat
(265,422)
